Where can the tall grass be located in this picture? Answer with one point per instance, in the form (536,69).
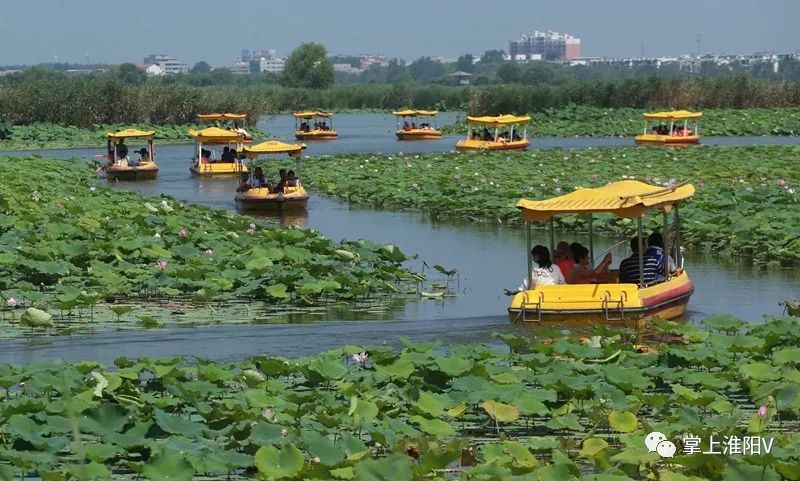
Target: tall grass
(103,99)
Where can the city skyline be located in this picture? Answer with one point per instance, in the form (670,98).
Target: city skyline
(72,30)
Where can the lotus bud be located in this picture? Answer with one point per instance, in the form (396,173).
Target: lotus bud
(762,411)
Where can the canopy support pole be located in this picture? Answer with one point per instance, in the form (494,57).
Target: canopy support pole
(150,150)
(511,135)
(525,133)
(591,238)
(678,254)
(495,134)
(552,235)
(528,253)
(671,127)
(641,251)
(666,243)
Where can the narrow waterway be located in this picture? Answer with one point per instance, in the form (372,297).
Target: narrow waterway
(489,257)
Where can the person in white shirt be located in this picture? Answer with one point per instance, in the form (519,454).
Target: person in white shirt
(544,272)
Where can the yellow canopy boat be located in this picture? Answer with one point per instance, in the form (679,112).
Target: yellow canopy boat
(230,121)
(257,194)
(411,130)
(670,128)
(211,162)
(491,138)
(609,300)
(120,166)
(321,129)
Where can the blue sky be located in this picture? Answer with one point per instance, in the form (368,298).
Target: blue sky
(34,31)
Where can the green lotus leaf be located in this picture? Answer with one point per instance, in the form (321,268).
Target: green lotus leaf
(273,463)
(178,425)
(500,412)
(622,422)
(168,467)
(395,467)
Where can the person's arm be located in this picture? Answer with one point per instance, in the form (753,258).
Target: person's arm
(558,276)
(603,267)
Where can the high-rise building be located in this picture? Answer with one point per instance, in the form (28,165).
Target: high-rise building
(547,45)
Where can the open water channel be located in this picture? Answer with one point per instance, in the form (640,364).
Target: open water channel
(488,257)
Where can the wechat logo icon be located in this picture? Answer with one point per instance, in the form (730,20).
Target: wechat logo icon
(659,443)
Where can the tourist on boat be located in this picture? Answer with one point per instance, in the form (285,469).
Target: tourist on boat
(144,157)
(629,267)
(487,136)
(227,155)
(291,179)
(244,182)
(655,249)
(258,178)
(515,136)
(563,258)
(476,135)
(205,156)
(281,182)
(583,272)
(122,150)
(544,271)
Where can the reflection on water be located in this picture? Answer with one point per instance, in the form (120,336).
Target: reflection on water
(285,219)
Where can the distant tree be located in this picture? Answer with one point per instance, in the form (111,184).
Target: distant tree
(424,69)
(538,73)
(492,56)
(509,72)
(395,69)
(465,63)
(308,66)
(201,67)
(130,74)
(222,75)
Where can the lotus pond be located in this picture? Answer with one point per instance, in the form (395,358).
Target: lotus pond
(68,244)
(747,201)
(55,136)
(625,122)
(553,407)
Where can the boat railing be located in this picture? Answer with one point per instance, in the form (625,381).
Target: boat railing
(617,308)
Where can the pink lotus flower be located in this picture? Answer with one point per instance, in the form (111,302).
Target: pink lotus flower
(11,302)
(183,232)
(161,264)
(781,182)
(210,251)
(360,358)
(762,411)
(251,231)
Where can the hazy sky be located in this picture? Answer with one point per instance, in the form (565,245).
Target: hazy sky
(33,31)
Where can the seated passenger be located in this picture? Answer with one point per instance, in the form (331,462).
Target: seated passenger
(291,179)
(544,272)
(664,262)
(629,267)
(563,258)
(205,156)
(487,136)
(122,150)
(144,156)
(244,182)
(476,135)
(583,272)
(406,126)
(303,127)
(281,182)
(258,178)
(515,136)
(227,156)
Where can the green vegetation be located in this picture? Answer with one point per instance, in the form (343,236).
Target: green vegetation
(53,136)
(67,244)
(554,408)
(580,121)
(308,67)
(747,201)
(39,95)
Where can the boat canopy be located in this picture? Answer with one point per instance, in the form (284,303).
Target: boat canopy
(219,117)
(213,135)
(627,198)
(274,147)
(415,113)
(130,134)
(312,114)
(673,115)
(499,121)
